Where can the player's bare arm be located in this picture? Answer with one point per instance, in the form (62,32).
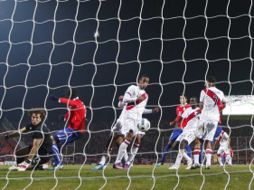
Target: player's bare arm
(36,145)
(15,133)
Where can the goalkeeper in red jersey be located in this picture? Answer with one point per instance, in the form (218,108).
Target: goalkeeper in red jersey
(75,118)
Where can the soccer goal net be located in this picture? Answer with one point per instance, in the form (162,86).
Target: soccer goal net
(100,48)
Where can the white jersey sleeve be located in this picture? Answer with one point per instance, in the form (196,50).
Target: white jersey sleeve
(121,104)
(147,111)
(223,98)
(202,96)
(130,94)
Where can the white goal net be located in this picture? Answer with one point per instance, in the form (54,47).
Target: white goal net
(100,48)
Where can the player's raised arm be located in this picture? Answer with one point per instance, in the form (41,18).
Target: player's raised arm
(15,133)
(120,104)
(154,110)
(69,102)
(69,98)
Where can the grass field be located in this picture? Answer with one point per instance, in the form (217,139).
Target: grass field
(141,178)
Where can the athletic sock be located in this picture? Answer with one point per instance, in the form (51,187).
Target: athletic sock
(220,160)
(103,160)
(133,153)
(122,151)
(196,154)
(208,155)
(179,158)
(229,160)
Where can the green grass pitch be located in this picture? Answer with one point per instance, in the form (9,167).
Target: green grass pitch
(141,178)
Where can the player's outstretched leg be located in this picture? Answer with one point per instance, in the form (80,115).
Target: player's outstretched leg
(62,137)
(117,140)
(229,160)
(182,154)
(56,156)
(188,150)
(174,135)
(196,154)
(164,154)
(122,151)
(208,154)
(220,159)
(133,152)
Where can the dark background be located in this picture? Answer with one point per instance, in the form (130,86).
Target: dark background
(44,50)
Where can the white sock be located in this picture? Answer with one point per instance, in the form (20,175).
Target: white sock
(186,157)
(133,153)
(220,160)
(179,158)
(196,154)
(229,160)
(122,151)
(208,155)
(103,160)
(125,157)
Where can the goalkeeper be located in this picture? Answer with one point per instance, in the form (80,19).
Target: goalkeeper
(40,150)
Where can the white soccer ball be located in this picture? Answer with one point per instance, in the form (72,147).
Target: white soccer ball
(144,125)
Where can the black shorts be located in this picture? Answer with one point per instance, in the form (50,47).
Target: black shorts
(43,156)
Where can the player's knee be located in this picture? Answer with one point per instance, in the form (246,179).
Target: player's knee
(129,137)
(183,144)
(119,140)
(197,142)
(207,144)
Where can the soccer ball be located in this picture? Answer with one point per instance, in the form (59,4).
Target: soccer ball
(144,125)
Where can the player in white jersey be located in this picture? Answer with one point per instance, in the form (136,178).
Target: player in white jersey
(224,149)
(134,106)
(117,137)
(189,134)
(212,101)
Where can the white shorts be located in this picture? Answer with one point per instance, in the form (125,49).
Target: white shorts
(199,133)
(188,136)
(124,126)
(209,129)
(117,128)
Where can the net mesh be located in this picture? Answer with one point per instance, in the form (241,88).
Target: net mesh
(101,47)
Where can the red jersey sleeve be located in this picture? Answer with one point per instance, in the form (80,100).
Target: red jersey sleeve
(179,112)
(72,103)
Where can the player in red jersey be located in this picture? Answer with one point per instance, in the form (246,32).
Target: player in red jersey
(75,118)
(179,124)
